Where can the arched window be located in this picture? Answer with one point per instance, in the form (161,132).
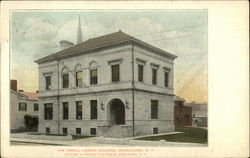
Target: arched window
(79,75)
(93,72)
(65,77)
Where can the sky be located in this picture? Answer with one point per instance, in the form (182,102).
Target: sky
(181,32)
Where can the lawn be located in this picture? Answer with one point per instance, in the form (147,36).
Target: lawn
(190,135)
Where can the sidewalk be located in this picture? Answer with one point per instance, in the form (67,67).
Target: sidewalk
(110,142)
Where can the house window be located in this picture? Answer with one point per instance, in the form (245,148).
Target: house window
(78,110)
(79,79)
(65,130)
(166,76)
(155,130)
(65,78)
(36,108)
(48,82)
(22,106)
(78,131)
(115,73)
(93,104)
(48,111)
(47,130)
(140,73)
(65,110)
(154,109)
(93,76)
(93,131)
(154,76)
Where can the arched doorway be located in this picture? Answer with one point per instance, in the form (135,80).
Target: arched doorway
(117,112)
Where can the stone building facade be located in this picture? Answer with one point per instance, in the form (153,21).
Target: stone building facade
(114,85)
(22,104)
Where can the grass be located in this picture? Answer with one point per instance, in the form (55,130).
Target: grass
(190,135)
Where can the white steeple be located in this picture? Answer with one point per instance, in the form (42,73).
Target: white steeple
(79,32)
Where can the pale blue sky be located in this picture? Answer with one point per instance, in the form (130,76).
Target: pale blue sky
(180,32)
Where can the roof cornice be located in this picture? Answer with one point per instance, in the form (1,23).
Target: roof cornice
(110,46)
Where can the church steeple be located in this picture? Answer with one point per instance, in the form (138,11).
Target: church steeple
(79,32)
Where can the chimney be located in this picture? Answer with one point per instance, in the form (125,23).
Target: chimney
(13,85)
(20,90)
(65,44)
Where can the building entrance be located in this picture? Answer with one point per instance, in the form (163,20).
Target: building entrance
(117,112)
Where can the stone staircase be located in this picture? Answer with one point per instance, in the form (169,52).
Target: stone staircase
(118,131)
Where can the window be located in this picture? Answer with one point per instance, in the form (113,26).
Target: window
(36,108)
(47,130)
(166,75)
(154,76)
(93,76)
(65,130)
(65,78)
(154,109)
(93,104)
(93,131)
(22,106)
(48,111)
(140,73)
(79,79)
(78,110)
(115,73)
(65,110)
(78,131)
(48,82)
(155,130)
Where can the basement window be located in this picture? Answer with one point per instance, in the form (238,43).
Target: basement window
(65,130)
(78,131)
(47,130)
(93,131)
(155,130)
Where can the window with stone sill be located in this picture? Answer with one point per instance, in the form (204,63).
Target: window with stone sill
(48,82)
(154,76)
(115,69)
(48,111)
(140,73)
(65,78)
(65,110)
(78,110)
(93,76)
(79,77)
(154,109)
(115,73)
(93,109)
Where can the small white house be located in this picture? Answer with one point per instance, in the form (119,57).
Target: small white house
(23,104)
(113,85)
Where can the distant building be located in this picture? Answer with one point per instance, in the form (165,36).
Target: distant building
(113,85)
(182,114)
(199,114)
(24,107)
